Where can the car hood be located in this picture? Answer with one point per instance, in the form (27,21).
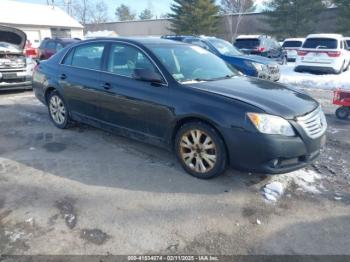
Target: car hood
(13,36)
(273,98)
(252,58)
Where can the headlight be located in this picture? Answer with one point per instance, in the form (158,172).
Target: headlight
(273,125)
(260,67)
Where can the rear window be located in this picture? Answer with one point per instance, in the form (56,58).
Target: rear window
(321,43)
(292,44)
(247,43)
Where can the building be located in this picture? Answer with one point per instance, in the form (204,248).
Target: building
(250,23)
(39,21)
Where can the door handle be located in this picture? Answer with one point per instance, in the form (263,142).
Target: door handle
(63,76)
(106,86)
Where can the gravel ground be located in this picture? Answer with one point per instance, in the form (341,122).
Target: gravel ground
(85,191)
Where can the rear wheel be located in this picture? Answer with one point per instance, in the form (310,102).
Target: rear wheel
(343,112)
(201,150)
(58,110)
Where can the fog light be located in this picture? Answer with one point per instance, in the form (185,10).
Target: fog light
(275,163)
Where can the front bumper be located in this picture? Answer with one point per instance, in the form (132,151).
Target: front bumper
(315,69)
(270,154)
(10,80)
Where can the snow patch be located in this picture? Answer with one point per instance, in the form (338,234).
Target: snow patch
(306,80)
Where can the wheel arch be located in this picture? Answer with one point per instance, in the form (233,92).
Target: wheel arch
(190,119)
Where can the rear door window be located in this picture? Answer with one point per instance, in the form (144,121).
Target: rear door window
(321,43)
(51,45)
(88,56)
(292,44)
(246,43)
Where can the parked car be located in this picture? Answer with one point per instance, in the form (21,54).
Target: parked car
(347,39)
(292,45)
(49,47)
(30,51)
(261,45)
(185,98)
(15,68)
(323,53)
(250,65)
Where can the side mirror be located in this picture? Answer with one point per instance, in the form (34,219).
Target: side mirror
(147,75)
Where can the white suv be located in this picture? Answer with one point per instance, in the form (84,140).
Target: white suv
(292,45)
(324,53)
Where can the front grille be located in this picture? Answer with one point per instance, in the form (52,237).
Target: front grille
(314,123)
(274,69)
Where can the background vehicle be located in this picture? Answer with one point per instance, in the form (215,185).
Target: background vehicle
(184,98)
(292,45)
(249,65)
(15,68)
(347,39)
(49,47)
(342,99)
(261,45)
(323,53)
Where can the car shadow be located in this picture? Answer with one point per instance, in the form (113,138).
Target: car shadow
(94,157)
(321,237)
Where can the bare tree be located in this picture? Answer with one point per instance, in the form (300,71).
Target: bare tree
(100,13)
(231,7)
(81,10)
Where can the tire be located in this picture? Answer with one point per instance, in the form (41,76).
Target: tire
(284,61)
(342,112)
(190,142)
(342,69)
(58,110)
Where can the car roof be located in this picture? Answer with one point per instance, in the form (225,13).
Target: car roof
(347,38)
(331,36)
(294,39)
(250,36)
(137,40)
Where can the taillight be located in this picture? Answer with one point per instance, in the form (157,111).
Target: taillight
(302,53)
(334,53)
(261,49)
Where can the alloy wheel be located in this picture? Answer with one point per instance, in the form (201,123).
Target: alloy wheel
(198,151)
(57,110)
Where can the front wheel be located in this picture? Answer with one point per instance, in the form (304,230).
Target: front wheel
(200,150)
(58,110)
(342,112)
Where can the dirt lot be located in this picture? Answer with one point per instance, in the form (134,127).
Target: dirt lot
(84,191)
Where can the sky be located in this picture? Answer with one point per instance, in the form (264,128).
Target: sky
(158,7)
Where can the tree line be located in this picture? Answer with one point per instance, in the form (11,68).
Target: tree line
(287,18)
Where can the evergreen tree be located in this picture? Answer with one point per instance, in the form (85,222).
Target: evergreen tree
(343,16)
(293,18)
(124,13)
(146,14)
(194,17)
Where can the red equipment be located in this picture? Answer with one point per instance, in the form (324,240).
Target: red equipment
(342,98)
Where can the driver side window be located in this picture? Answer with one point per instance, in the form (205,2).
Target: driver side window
(124,59)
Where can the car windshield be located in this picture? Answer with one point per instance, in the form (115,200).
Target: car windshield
(224,47)
(247,43)
(321,43)
(188,63)
(292,44)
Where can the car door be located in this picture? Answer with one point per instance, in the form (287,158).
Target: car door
(130,104)
(79,77)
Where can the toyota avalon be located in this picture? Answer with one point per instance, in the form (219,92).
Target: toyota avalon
(183,98)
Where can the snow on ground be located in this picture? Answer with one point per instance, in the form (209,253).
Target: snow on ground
(307,181)
(306,80)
